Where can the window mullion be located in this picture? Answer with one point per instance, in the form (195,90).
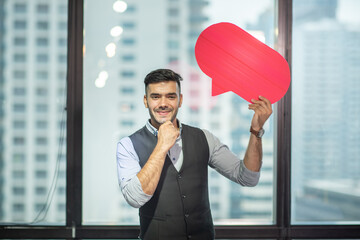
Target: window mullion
(283,120)
(74,114)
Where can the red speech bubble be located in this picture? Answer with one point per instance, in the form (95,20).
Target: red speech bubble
(238,62)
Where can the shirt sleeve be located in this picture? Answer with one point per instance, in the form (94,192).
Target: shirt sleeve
(128,167)
(228,164)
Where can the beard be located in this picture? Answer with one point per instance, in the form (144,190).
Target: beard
(157,121)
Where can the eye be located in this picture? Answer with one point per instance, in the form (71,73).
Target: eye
(172,97)
(155,96)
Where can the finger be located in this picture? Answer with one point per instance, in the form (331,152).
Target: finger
(266,101)
(165,126)
(257,106)
(168,123)
(259,103)
(263,103)
(259,111)
(253,106)
(253,100)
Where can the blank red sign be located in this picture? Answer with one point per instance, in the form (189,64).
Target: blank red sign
(238,62)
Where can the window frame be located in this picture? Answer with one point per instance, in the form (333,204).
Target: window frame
(282,229)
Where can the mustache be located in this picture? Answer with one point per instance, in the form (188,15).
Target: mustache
(163,109)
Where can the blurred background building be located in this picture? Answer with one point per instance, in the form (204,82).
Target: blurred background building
(158,35)
(123,41)
(33,57)
(326,80)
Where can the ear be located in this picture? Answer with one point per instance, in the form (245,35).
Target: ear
(145,101)
(180,100)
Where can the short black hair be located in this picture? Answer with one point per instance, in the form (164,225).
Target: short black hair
(162,75)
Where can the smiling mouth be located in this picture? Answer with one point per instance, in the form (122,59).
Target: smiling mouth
(163,112)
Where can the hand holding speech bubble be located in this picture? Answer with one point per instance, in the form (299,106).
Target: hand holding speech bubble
(238,62)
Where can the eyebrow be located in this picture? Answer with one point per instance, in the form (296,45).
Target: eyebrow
(167,94)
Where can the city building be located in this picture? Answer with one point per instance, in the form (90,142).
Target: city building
(325,50)
(33,57)
(158,34)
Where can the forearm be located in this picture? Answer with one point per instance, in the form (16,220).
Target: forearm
(150,174)
(253,155)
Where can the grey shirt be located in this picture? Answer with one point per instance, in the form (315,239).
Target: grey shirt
(221,159)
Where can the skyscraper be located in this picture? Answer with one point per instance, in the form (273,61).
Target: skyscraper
(33,50)
(156,34)
(325,76)
(152,34)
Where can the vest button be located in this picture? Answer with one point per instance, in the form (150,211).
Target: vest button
(183,196)
(179,176)
(186,215)
(189,236)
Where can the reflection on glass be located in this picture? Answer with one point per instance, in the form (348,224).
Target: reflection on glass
(162,34)
(326,112)
(32,112)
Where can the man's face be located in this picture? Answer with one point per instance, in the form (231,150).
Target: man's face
(163,100)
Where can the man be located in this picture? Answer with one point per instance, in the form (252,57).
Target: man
(162,168)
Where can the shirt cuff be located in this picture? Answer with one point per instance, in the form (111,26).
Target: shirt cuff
(249,178)
(134,194)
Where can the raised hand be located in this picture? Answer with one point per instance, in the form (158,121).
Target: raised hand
(167,135)
(262,109)
(150,174)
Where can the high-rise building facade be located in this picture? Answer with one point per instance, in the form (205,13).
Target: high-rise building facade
(123,42)
(33,38)
(325,156)
(159,34)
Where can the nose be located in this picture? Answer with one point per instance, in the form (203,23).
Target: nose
(163,102)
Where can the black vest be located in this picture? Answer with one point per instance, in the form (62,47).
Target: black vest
(179,208)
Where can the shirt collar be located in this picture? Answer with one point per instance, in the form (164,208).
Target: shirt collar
(154,131)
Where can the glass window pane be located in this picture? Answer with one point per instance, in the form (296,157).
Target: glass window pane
(326,112)
(31,141)
(126,40)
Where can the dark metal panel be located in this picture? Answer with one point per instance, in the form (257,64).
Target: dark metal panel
(74,113)
(247,232)
(45,232)
(283,120)
(222,232)
(108,232)
(323,232)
